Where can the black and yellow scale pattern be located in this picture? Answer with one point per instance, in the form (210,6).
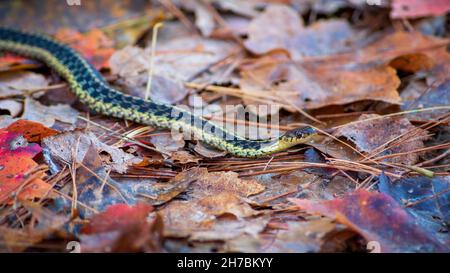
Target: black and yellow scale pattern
(92,90)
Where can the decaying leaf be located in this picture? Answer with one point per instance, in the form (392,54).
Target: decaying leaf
(428,200)
(46,223)
(310,87)
(211,218)
(93,45)
(122,228)
(176,59)
(208,152)
(12,106)
(167,143)
(31,131)
(280,27)
(419,8)
(210,184)
(378,218)
(377,133)
(302,237)
(422,96)
(75,144)
(184,157)
(47,115)
(20,82)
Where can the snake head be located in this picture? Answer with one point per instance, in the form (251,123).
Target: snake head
(297,136)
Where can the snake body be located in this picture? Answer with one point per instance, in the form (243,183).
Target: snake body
(93,90)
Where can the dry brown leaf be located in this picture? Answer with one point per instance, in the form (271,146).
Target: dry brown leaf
(217,217)
(12,106)
(76,143)
(184,157)
(208,152)
(302,237)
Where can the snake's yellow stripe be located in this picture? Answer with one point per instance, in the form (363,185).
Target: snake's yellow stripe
(93,91)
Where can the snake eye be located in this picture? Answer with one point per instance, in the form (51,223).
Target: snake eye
(300,132)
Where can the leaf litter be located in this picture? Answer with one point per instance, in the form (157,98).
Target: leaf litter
(375,88)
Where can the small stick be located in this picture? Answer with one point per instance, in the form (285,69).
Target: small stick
(152,60)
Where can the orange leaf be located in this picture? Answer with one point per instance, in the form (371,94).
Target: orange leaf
(31,131)
(419,8)
(16,159)
(377,217)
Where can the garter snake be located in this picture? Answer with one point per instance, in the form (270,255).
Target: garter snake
(93,90)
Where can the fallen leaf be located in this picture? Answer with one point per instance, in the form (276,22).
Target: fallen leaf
(311,87)
(117,217)
(46,224)
(20,82)
(426,97)
(93,45)
(208,152)
(64,146)
(217,217)
(184,157)
(167,143)
(418,8)
(54,15)
(176,59)
(132,65)
(302,237)
(122,228)
(16,160)
(31,131)
(375,133)
(377,217)
(12,106)
(428,200)
(209,184)
(281,27)
(47,115)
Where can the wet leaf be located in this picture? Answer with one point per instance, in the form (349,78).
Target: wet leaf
(378,218)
